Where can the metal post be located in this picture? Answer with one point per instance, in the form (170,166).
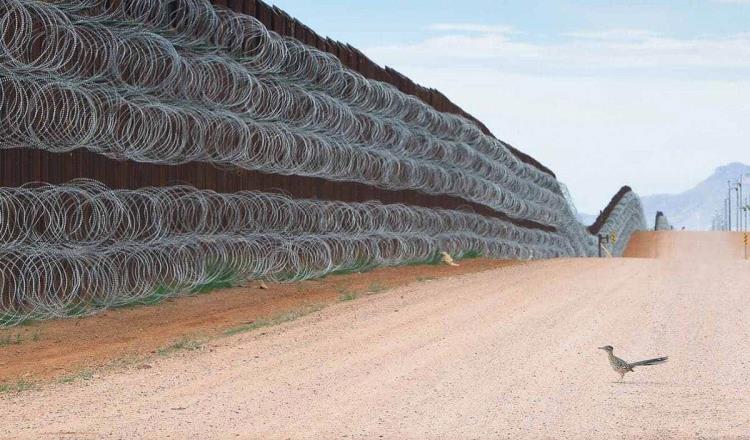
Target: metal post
(729,205)
(738,193)
(739,203)
(727,221)
(724,216)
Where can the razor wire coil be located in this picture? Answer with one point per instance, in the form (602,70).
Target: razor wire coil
(220,110)
(181,81)
(661,223)
(81,247)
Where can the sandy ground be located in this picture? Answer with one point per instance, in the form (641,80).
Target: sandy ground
(54,350)
(506,353)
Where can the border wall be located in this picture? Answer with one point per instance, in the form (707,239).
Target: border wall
(661,223)
(153,149)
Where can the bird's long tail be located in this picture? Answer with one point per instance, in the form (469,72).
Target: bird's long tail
(654,361)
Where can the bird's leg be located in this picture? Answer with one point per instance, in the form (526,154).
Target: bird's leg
(622,376)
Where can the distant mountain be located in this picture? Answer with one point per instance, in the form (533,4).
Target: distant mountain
(694,208)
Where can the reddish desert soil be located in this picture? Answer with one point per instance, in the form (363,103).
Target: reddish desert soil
(503,353)
(54,349)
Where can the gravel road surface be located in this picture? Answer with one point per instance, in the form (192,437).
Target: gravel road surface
(507,353)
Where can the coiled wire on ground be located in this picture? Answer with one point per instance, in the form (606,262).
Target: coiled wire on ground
(74,249)
(661,223)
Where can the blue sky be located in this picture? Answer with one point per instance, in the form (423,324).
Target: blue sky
(367,23)
(654,94)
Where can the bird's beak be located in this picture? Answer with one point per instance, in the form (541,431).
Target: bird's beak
(600,348)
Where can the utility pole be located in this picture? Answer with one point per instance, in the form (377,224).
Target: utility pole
(738,193)
(724,217)
(742,202)
(729,205)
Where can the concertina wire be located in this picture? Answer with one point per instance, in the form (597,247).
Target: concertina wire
(182,81)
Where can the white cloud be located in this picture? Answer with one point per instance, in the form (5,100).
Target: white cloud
(585,51)
(472,27)
(614,34)
(602,110)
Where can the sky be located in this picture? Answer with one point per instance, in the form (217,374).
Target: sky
(652,94)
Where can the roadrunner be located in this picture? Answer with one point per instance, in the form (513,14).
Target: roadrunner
(621,367)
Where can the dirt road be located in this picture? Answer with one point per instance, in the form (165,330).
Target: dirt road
(507,353)
(59,349)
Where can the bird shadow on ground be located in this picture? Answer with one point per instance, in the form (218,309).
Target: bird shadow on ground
(645,382)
